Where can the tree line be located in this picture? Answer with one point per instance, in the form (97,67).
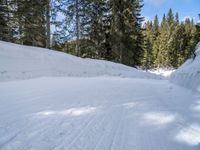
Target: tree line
(169,43)
(102,29)
(25,22)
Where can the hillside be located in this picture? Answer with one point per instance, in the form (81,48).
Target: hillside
(24,62)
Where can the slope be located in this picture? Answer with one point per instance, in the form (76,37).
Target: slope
(24,62)
(188,75)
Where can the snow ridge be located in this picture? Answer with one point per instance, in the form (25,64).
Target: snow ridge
(188,75)
(25,62)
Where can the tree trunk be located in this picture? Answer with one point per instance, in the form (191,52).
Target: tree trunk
(77,29)
(48,30)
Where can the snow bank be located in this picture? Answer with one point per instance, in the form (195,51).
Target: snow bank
(24,62)
(188,75)
(165,72)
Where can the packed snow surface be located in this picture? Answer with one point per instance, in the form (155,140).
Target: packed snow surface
(84,104)
(24,62)
(188,75)
(98,113)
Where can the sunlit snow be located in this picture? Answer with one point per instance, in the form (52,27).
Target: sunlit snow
(53,101)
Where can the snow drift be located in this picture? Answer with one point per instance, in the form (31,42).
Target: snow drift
(188,75)
(24,62)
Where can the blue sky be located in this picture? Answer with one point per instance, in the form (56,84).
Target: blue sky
(185,8)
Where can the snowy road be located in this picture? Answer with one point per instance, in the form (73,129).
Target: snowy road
(102,113)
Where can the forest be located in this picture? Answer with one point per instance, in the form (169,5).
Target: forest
(112,30)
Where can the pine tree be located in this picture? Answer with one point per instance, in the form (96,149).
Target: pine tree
(159,47)
(7,22)
(180,45)
(155,27)
(197,34)
(103,29)
(147,61)
(164,47)
(77,22)
(127,31)
(97,32)
(107,48)
(4,28)
(32,22)
(48,24)
(189,35)
(138,48)
(177,43)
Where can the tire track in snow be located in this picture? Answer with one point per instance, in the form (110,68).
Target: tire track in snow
(113,124)
(116,132)
(104,124)
(97,131)
(8,139)
(75,135)
(87,129)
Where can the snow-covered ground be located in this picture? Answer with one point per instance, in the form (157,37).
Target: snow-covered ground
(165,72)
(188,75)
(98,113)
(25,62)
(83,104)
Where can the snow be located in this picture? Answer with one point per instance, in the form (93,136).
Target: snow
(98,113)
(159,118)
(190,135)
(25,62)
(165,72)
(69,103)
(188,75)
(71,112)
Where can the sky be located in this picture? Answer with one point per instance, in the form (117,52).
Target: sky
(185,8)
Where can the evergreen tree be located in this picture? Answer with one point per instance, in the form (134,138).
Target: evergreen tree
(160,45)
(155,27)
(127,31)
(48,23)
(4,28)
(7,22)
(102,29)
(190,37)
(147,61)
(31,22)
(98,27)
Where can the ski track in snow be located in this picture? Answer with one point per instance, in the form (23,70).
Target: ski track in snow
(98,113)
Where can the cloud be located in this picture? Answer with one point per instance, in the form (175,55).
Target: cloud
(155,2)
